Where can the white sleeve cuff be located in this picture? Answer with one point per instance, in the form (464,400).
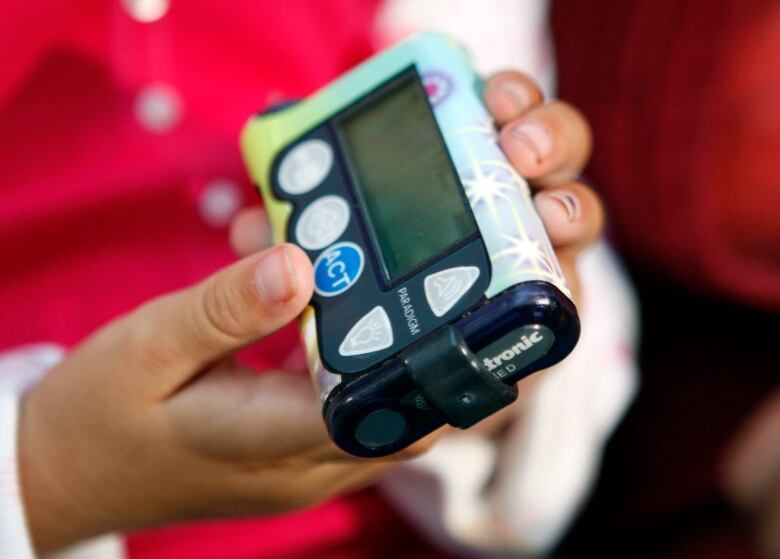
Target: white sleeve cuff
(20,370)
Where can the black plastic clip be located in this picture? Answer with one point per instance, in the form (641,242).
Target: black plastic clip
(450,377)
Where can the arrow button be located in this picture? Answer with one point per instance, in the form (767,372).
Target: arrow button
(444,289)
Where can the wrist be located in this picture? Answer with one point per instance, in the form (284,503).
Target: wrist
(57,512)
(82,476)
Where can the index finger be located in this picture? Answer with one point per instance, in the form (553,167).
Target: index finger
(548,143)
(510,94)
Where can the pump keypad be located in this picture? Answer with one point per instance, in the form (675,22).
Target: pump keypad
(361,320)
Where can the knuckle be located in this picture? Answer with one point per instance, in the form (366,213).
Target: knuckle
(306,494)
(222,310)
(574,118)
(598,214)
(142,334)
(568,111)
(521,78)
(593,212)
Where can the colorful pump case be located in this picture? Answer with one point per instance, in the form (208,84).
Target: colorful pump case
(437,361)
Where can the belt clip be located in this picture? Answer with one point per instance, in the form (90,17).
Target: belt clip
(451,378)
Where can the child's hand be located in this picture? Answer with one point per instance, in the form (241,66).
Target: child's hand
(149,420)
(548,143)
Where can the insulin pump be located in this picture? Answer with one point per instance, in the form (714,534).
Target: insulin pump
(436,287)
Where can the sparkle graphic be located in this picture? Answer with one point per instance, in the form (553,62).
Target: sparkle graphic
(521,251)
(485,188)
(485,126)
(502,204)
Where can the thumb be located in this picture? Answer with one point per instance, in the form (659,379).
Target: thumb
(177,335)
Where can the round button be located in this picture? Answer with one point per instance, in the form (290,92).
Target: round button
(305,167)
(337,269)
(380,428)
(322,222)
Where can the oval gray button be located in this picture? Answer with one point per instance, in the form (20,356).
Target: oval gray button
(322,222)
(305,166)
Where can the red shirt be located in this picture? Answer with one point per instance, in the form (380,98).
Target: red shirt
(683,100)
(119,171)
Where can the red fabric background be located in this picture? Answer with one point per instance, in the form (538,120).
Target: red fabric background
(682,97)
(100,214)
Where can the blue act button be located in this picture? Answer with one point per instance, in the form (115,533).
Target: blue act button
(337,269)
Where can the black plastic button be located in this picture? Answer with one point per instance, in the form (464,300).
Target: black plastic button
(380,428)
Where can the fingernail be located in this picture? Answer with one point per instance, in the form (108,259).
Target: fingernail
(274,276)
(535,137)
(517,94)
(562,199)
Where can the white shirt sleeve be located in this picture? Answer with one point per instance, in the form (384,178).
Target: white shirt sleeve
(499,34)
(474,495)
(20,370)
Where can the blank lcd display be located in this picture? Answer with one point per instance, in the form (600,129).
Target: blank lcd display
(404,177)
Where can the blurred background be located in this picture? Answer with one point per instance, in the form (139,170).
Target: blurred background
(660,437)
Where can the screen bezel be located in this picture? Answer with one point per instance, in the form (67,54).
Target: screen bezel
(401,79)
